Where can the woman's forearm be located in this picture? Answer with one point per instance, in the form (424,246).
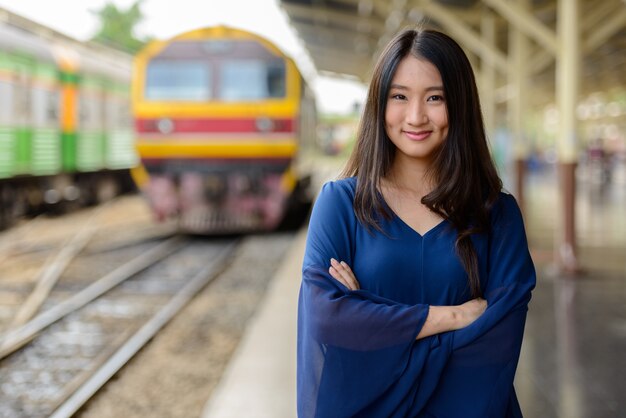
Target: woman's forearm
(440,318)
(450,318)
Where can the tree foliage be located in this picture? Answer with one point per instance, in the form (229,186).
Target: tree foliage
(117,27)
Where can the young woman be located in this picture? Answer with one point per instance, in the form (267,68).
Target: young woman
(417,274)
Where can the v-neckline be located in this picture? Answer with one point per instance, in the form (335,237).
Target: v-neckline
(419,234)
(406,225)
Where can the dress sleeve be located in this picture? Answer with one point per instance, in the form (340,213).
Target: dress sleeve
(355,320)
(357,354)
(511,272)
(482,366)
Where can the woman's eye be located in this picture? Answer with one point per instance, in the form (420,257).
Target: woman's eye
(435,98)
(398,96)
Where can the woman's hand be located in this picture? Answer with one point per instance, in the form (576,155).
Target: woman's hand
(342,272)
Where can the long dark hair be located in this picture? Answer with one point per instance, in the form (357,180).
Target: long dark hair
(466,182)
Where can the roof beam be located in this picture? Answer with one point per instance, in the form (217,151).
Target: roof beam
(337,52)
(309,29)
(320,14)
(381,7)
(464,34)
(323,38)
(541,60)
(596,13)
(356,69)
(334,60)
(615,22)
(601,33)
(525,22)
(369,7)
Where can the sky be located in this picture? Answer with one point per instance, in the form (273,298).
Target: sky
(166,18)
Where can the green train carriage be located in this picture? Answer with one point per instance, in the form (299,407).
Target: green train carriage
(66,136)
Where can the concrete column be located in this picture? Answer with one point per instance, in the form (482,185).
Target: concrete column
(567,89)
(488,73)
(519,49)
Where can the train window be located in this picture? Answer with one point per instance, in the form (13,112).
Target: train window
(123,119)
(52,106)
(84,112)
(45,106)
(110,112)
(21,103)
(276,79)
(252,80)
(178,80)
(6,103)
(91,111)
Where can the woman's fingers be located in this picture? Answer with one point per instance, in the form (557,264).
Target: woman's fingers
(350,275)
(338,276)
(342,272)
(336,270)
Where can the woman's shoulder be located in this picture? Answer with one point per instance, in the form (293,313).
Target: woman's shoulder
(506,208)
(506,201)
(343,187)
(335,197)
(333,210)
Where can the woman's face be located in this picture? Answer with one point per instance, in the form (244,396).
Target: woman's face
(416,116)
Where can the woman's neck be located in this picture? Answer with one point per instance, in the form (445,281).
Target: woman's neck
(409,177)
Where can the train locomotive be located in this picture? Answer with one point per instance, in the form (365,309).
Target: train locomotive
(66,137)
(222,117)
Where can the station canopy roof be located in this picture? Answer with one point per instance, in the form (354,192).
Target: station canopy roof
(344,37)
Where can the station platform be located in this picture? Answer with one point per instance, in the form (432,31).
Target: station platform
(572,359)
(260,380)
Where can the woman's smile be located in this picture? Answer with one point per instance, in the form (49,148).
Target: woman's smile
(417,136)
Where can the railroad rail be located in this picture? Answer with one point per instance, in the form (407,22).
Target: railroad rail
(70,350)
(80,292)
(99,284)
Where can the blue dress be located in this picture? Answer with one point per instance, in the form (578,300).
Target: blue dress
(357,353)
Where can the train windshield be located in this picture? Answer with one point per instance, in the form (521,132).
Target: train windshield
(178,80)
(251,80)
(221,79)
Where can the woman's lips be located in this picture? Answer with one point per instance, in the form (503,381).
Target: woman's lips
(418,136)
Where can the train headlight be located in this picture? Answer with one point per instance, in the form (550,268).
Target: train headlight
(264,124)
(165,126)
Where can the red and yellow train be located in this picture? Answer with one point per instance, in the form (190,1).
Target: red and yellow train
(221,117)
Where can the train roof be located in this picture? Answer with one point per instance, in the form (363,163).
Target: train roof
(218,31)
(21,35)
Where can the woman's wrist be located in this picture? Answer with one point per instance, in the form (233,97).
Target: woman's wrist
(440,319)
(455,317)
(449,317)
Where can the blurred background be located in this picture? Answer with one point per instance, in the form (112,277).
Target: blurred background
(149,148)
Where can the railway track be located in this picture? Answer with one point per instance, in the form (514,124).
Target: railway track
(72,349)
(79,290)
(100,284)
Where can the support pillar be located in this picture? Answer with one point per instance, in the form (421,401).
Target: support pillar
(567,256)
(567,89)
(519,49)
(488,73)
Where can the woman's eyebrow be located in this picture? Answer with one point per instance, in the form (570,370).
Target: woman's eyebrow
(402,87)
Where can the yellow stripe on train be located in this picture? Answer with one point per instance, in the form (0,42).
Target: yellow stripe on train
(270,108)
(240,149)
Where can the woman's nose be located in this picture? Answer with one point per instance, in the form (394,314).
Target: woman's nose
(416,113)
